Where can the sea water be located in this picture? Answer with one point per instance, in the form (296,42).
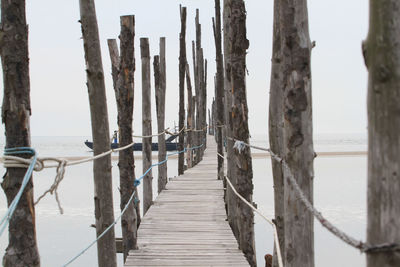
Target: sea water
(339,193)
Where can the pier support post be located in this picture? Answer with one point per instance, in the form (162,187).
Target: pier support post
(276,129)
(123,68)
(22,247)
(182,67)
(241,166)
(146,124)
(160,90)
(297,148)
(382,58)
(103,199)
(189,118)
(219,88)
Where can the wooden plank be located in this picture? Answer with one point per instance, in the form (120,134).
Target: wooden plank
(186,225)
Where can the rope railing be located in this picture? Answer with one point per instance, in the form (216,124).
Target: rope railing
(40,163)
(362,246)
(136,183)
(37,164)
(276,239)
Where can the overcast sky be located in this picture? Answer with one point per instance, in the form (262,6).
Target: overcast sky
(57,69)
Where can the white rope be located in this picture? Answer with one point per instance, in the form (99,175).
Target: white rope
(363,247)
(54,187)
(153,135)
(276,239)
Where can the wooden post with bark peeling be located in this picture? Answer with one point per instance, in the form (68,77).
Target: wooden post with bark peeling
(22,249)
(238,124)
(103,200)
(276,129)
(219,90)
(204,96)
(160,88)
(123,68)
(146,124)
(199,89)
(189,118)
(230,197)
(297,147)
(115,70)
(182,70)
(382,58)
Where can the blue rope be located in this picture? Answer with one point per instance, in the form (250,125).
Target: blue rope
(136,183)
(13,151)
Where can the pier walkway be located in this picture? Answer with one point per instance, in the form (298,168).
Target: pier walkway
(186,225)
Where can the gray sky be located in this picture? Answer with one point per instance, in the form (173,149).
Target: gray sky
(58,82)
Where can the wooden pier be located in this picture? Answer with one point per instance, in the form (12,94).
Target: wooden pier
(186,225)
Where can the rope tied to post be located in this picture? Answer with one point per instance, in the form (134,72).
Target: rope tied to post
(362,246)
(17,151)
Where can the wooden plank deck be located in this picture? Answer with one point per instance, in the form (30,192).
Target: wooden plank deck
(187,224)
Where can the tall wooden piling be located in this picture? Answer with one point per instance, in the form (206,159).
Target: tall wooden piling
(382,54)
(219,90)
(238,124)
(189,118)
(297,147)
(124,67)
(199,81)
(276,121)
(182,70)
(103,200)
(22,249)
(160,88)
(230,197)
(146,124)
(196,139)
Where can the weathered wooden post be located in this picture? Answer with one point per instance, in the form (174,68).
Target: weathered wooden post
(209,123)
(219,90)
(276,128)
(230,197)
(22,248)
(160,88)
(198,88)
(196,139)
(238,124)
(103,200)
(204,95)
(123,73)
(182,70)
(382,58)
(189,118)
(146,124)
(298,149)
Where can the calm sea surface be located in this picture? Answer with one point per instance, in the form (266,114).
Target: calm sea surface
(339,193)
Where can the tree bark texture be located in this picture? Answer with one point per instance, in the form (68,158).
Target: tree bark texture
(204,105)
(298,148)
(115,70)
(219,90)
(103,200)
(22,247)
(200,114)
(382,57)
(276,122)
(124,94)
(238,125)
(146,124)
(160,88)
(182,70)
(189,118)
(230,197)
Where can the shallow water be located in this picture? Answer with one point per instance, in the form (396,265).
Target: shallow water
(339,193)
